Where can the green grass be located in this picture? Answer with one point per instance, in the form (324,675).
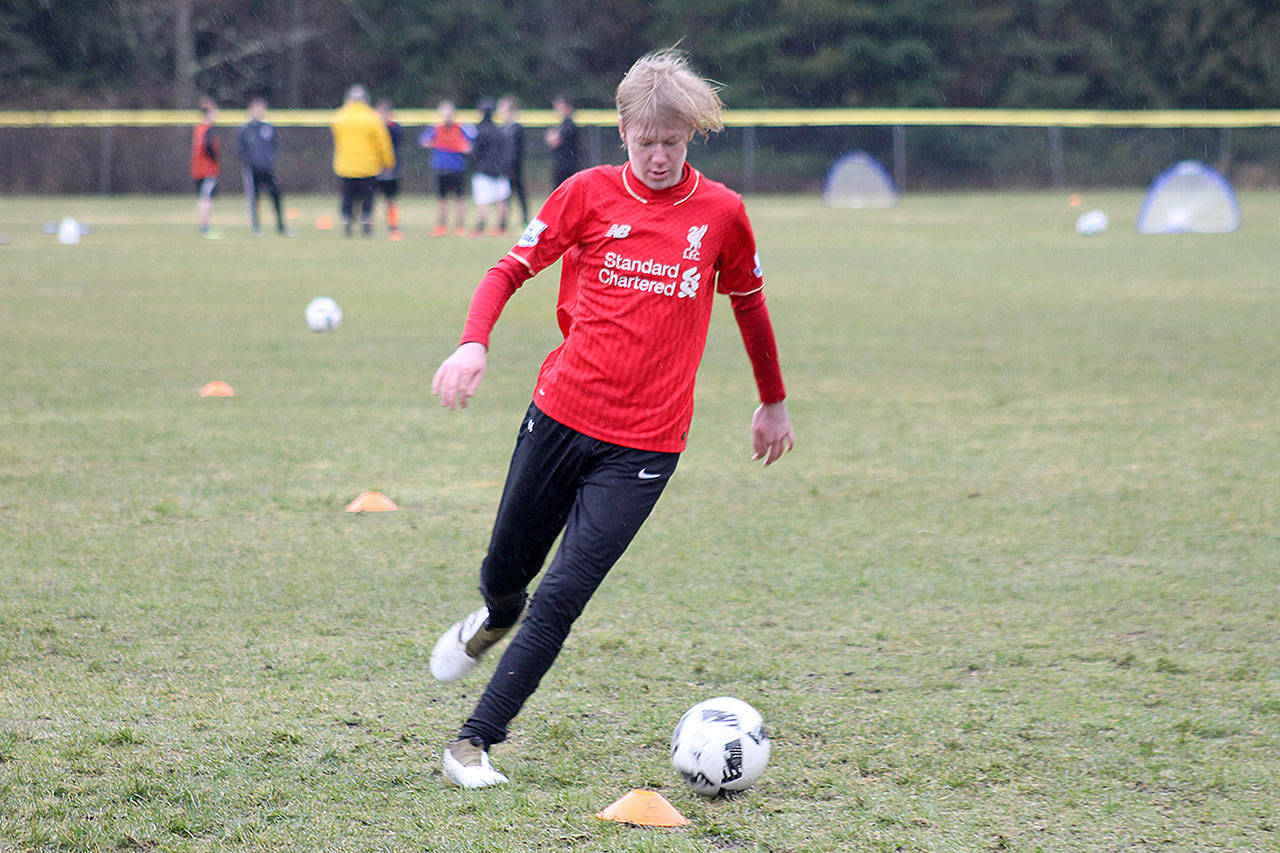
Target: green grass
(1016,588)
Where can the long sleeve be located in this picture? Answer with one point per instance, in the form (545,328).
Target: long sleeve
(491,295)
(757,335)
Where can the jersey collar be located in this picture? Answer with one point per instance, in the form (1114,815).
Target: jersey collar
(678,194)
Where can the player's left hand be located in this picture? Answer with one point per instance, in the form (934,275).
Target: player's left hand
(771,434)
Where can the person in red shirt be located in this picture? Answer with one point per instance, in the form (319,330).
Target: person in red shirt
(450,144)
(206,152)
(644,247)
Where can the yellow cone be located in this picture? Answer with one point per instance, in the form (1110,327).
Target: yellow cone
(371,502)
(644,808)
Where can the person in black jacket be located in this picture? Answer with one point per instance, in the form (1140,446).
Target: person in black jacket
(388,185)
(491,165)
(509,112)
(566,153)
(258,146)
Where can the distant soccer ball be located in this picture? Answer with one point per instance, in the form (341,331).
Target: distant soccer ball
(719,746)
(69,231)
(1091,222)
(323,314)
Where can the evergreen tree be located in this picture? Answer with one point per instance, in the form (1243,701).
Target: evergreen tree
(822,53)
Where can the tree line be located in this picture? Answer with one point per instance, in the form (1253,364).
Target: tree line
(1119,54)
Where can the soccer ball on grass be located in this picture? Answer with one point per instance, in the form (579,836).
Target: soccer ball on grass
(1091,222)
(719,746)
(323,314)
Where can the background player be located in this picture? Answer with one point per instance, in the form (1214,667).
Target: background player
(645,248)
(206,156)
(566,154)
(388,184)
(491,165)
(258,145)
(450,143)
(509,114)
(361,150)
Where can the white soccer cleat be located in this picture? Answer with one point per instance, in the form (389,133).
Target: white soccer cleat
(460,648)
(466,764)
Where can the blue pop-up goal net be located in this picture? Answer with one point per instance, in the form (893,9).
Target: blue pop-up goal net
(858,180)
(1189,198)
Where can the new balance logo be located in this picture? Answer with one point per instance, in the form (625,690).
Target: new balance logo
(618,231)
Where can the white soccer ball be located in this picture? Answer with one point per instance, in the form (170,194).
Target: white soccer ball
(1091,222)
(719,746)
(69,231)
(323,314)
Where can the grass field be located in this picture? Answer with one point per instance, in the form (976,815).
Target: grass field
(1016,588)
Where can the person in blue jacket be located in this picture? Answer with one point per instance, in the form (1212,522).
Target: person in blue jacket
(258,146)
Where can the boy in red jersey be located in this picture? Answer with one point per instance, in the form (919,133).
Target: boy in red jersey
(644,248)
(206,153)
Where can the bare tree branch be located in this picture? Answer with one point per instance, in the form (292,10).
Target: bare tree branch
(258,47)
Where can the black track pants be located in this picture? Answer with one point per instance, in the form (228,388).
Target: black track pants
(357,192)
(598,494)
(255,182)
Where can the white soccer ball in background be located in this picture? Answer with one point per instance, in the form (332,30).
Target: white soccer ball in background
(1091,222)
(69,231)
(719,746)
(323,314)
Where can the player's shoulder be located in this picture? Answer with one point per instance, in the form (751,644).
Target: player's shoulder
(714,191)
(717,197)
(606,173)
(594,180)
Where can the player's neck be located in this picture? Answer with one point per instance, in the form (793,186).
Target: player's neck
(646,193)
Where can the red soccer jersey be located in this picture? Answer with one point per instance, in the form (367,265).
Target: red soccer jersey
(639,272)
(204,152)
(452,138)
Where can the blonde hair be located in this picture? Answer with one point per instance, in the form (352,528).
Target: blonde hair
(661,88)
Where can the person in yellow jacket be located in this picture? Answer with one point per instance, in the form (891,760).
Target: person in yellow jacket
(361,150)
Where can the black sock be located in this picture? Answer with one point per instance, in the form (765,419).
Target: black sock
(506,613)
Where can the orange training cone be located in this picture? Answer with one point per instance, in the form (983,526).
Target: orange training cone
(324,223)
(371,502)
(217,388)
(644,808)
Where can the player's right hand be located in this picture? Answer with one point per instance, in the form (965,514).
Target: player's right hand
(460,374)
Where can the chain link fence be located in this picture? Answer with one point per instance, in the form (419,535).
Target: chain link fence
(135,159)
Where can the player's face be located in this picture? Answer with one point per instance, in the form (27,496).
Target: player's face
(657,153)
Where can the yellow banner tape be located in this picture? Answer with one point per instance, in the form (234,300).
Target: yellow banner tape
(733,118)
